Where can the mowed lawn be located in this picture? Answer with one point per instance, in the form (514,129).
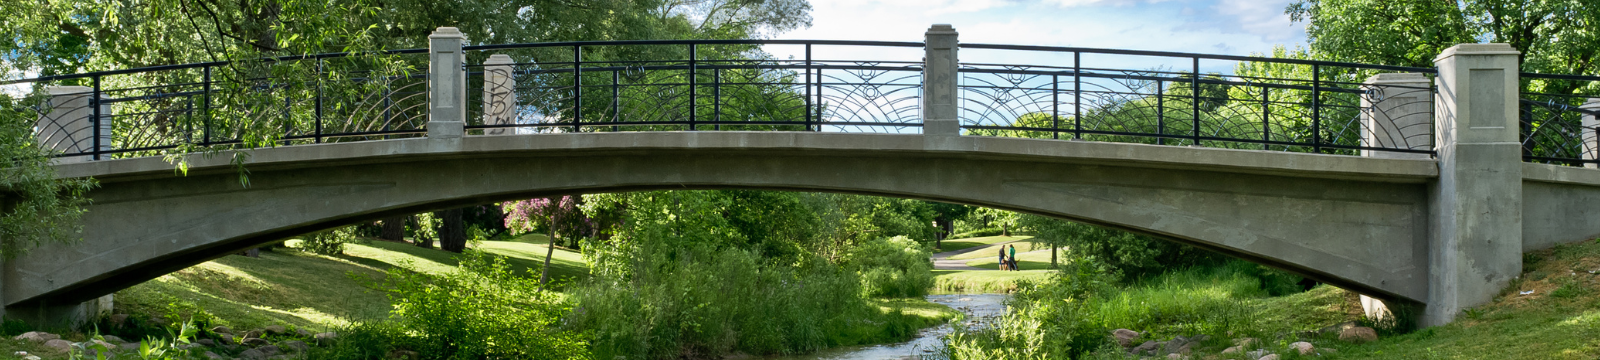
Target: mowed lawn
(291,287)
(1031,260)
(967,243)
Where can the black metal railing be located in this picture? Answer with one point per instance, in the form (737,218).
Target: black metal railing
(1149,97)
(1255,103)
(1551,116)
(693,85)
(281,101)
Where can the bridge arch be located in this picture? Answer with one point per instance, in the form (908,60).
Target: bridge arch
(1358,223)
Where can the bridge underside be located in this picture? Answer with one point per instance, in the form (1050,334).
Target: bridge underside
(1358,223)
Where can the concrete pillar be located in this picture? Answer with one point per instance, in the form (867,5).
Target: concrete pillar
(104,305)
(499,94)
(53,316)
(1475,247)
(1395,115)
(447,85)
(939,76)
(1591,139)
(68,126)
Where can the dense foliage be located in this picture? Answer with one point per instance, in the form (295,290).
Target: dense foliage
(330,242)
(480,310)
(892,267)
(1070,315)
(709,273)
(35,207)
(1133,255)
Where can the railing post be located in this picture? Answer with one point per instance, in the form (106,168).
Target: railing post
(1475,248)
(1591,135)
(70,127)
(499,94)
(1395,115)
(939,81)
(447,86)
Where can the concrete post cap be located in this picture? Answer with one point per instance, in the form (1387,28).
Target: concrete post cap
(66,90)
(1477,49)
(446,32)
(941,29)
(1398,78)
(499,59)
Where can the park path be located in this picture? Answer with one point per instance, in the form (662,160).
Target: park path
(941,261)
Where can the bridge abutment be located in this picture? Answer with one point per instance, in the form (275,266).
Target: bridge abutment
(1475,246)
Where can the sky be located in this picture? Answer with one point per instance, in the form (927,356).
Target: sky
(1231,27)
(1228,27)
(1235,27)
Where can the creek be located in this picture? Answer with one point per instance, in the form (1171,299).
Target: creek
(978,308)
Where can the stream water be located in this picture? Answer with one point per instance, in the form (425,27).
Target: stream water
(979,308)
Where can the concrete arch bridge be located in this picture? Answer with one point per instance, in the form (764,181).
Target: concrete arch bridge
(1419,186)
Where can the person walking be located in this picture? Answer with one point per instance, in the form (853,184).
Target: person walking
(1014,258)
(1003,264)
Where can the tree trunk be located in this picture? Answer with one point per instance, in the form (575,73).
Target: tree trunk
(394,229)
(453,235)
(1005,230)
(550,246)
(1052,256)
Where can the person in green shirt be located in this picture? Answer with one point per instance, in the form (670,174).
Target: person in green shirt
(1013,258)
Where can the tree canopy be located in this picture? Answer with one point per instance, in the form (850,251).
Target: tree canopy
(1555,36)
(69,36)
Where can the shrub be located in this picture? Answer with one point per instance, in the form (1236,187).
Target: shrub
(702,302)
(330,242)
(892,267)
(479,310)
(482,309)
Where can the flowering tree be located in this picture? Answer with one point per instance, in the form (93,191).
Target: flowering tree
(561,216)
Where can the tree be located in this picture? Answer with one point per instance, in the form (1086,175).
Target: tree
(944,217)
(1554,36)
(35,207)
(394,229)
(452,231)
(560,217)
(51,37)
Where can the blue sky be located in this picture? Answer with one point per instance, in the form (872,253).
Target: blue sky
(1235,27)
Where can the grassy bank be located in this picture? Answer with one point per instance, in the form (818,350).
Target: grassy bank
(1559,319)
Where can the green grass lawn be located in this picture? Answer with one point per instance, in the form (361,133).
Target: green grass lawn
(967,243)
(1023,245)
(1032,260)
(290,287)
(981,281)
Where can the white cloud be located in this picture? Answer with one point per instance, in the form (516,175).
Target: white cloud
(1264,18)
